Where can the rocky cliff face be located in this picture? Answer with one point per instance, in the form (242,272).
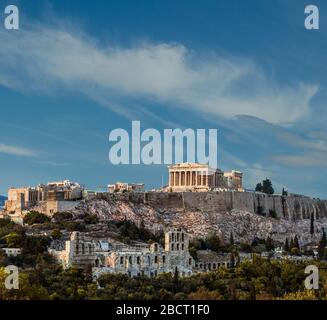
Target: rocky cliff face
(222,213)
(290,208)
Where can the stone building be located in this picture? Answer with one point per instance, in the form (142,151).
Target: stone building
(20,199)
(200,177)
(155,259)
(121,187)
(193,176)
(233,180)
(79,251)
(50,198)
(210,261)
(106,257)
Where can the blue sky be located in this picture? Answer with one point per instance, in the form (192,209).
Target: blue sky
(77,70)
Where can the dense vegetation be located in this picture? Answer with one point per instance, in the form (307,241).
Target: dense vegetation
(128,231)
(262,279)
(35,217)
(42,278)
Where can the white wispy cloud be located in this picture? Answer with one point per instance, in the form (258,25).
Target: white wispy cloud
(307,160)
(45,59)
(17,151)
(253,172)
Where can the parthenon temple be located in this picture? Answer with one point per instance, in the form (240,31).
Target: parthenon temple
(200,177)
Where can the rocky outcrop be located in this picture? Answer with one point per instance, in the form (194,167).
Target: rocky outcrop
(203,213)
(291,208)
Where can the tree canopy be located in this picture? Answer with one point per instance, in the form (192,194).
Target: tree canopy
(265,186)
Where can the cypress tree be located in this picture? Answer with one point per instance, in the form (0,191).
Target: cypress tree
(291,243)
(269,244)
(176,277)
(284,193)
(312,228)
(296,242)
(232,260)
(231,239)
(286,246)
(322,245)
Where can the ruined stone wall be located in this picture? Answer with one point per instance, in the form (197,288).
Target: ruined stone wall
(290,207)
(51,207)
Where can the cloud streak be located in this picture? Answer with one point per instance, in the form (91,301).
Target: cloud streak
(47,60)
(17,151)
(308,160)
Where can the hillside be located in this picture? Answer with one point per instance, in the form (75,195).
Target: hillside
(245,225)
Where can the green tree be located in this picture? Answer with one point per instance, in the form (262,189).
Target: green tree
(14,240)
(56,234)
(91,219)
(291,243)
(36,244)
(295,251)
(232,260)
(74,226)
(176,279)
(258,187)
(273,214)
(260,211)
(312,228)
(269,244)
(296,242)
(35,217)
(60,217)
(213,242)
(286,245)
(267,186)
(231,239)
(322,245)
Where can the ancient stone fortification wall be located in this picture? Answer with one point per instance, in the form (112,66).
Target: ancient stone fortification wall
(290,207)
(51,207)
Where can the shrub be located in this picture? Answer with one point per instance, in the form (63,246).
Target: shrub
(273,214)
(91,219)
(56,234)
(35,217)
(14,239)
(129,229)
(212,242)
(260,211)
(60,217)
(36,244)
(245,247)
(74,226)
(295,251)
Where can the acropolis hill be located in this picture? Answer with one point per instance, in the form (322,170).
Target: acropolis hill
(201,213)
(291,208)
(193,200)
